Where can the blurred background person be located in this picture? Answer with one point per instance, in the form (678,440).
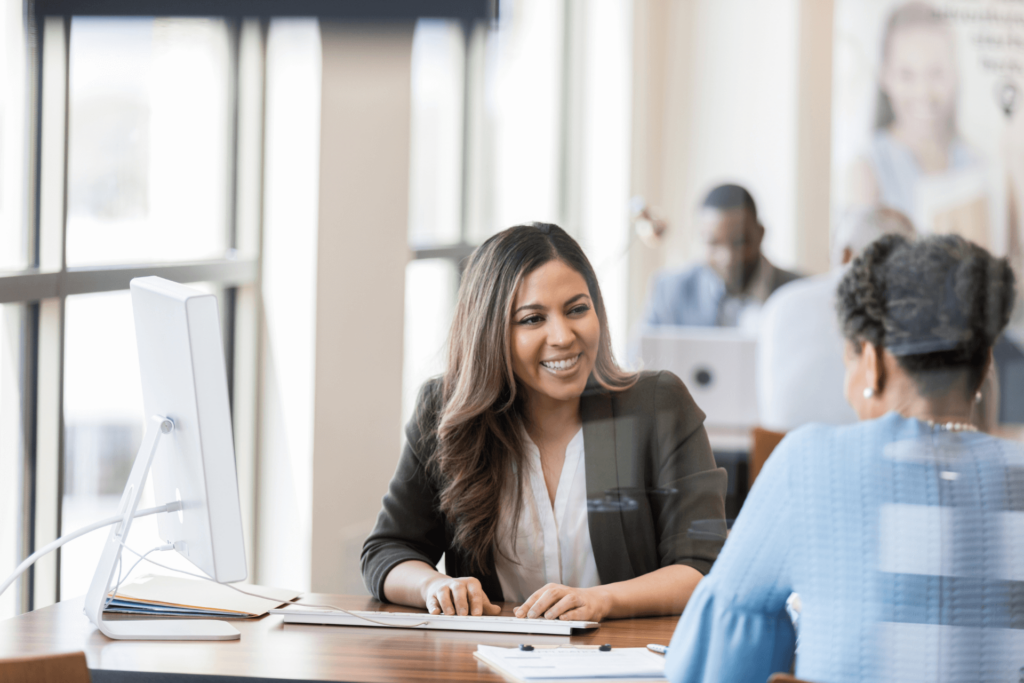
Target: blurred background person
(916,161)
(892,530)
(800,347)
(728,288)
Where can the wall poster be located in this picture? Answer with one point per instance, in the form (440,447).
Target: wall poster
(928,115)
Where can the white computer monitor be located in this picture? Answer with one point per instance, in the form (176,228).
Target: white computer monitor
(717,364)
(188,447)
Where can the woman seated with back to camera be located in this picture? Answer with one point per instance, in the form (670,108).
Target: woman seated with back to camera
(544,473)
(893,531)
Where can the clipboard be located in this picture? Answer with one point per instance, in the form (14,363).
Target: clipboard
(576,665)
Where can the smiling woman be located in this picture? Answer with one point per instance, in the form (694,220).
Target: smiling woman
(543,472)
(556,335)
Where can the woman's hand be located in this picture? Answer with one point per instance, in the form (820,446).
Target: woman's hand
(462,596)
(555,601)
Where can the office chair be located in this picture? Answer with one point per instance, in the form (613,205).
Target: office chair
(70,667)
(764,442)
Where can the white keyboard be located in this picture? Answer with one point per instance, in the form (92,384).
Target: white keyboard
(298,615)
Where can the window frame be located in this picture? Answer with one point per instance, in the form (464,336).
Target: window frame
(44,286)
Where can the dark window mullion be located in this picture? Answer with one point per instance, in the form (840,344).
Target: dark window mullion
(27,382)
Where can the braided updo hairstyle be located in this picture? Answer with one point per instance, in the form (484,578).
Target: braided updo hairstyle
(937,304)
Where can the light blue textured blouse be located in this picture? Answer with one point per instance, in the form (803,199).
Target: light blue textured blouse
(905,545)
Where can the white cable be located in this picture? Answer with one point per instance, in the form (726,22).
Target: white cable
(264,597)
(107,600)
(31,559)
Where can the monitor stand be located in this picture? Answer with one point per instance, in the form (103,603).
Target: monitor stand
(149,629)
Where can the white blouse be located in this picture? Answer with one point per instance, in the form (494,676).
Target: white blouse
(552,541)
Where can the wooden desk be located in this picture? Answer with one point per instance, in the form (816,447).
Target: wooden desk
(270,649)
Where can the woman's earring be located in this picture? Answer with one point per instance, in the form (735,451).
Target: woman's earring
(977,396)
(869,392)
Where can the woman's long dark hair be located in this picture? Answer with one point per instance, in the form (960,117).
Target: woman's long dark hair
(478,450)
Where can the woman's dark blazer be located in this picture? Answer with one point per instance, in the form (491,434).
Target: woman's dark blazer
(654,494)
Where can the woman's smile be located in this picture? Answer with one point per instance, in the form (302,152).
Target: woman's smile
(562,366)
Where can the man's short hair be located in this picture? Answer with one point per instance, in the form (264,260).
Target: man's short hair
(725,197)
(858,228)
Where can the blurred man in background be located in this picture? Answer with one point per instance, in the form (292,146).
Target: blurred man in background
(735,279)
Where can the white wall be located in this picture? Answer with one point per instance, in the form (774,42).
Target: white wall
(741,111)
(732,91)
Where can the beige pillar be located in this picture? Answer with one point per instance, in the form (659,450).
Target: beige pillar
(361,257)
(652,24)
(814,136)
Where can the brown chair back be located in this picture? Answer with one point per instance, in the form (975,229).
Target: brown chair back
(64,668)
(784,678)
(765,442)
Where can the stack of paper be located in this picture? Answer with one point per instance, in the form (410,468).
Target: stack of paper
(573,664)
(172,596)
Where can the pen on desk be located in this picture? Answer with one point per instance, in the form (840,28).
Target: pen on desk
(530,648)
(660,649)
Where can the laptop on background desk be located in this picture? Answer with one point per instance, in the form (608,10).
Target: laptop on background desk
(717,364)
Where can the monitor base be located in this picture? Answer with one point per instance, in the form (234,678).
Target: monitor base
(168,629)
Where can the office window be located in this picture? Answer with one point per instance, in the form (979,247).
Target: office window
(13,255)
(13,138)
(290,202)
(435,155)
(103,422)
(430,290)
(435,198)
(148,140)
(602,160)
(524,109)
(11,448)
(152,180)
(487,129)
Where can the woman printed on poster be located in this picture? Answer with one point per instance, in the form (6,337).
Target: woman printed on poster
(916,161)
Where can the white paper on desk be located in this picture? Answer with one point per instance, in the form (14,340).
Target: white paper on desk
(177,591)
(571,663)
